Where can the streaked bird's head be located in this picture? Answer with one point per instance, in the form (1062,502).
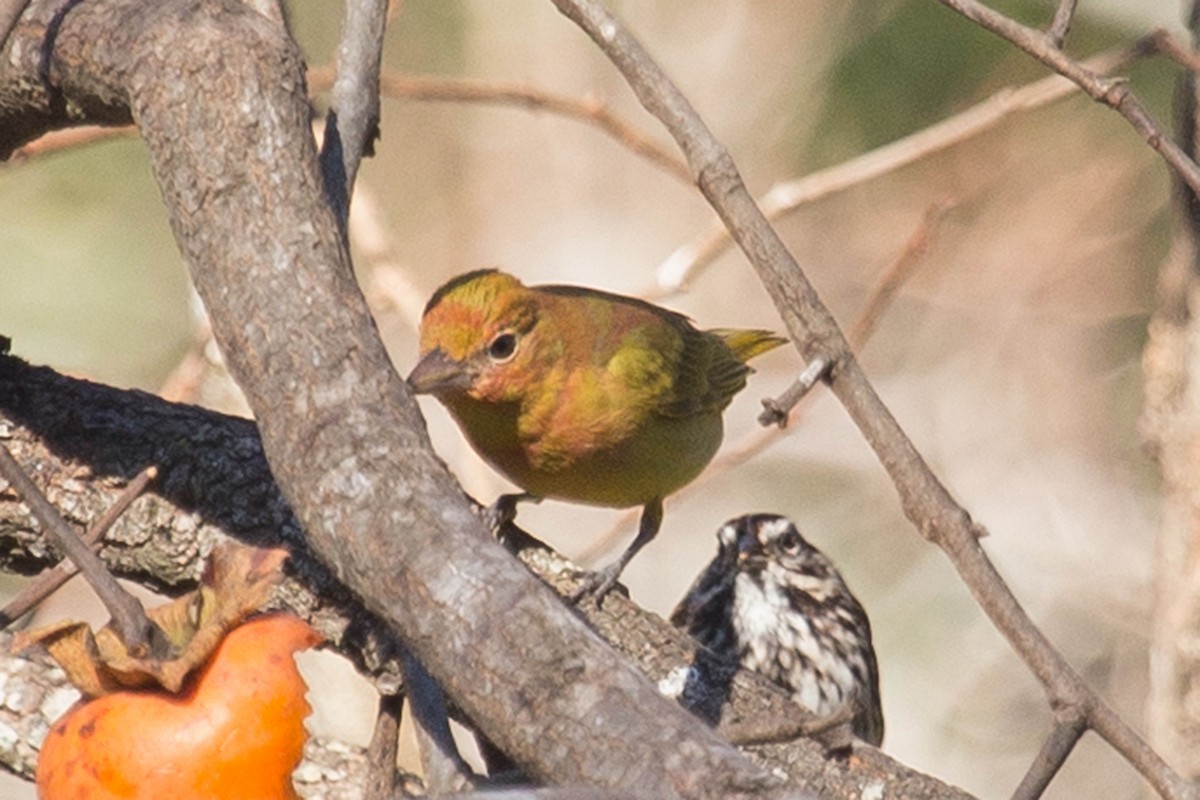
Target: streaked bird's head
(776,604)
(758,542)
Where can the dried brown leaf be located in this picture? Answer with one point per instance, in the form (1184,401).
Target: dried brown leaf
(237,581)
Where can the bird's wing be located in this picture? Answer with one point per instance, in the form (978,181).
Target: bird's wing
(664,365)
(711,592)
(707,375)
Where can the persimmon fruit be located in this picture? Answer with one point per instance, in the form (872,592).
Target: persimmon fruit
(235,731)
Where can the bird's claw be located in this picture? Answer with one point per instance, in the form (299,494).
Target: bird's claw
(502,513)
(597,585)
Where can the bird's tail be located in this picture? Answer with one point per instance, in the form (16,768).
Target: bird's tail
(746,344)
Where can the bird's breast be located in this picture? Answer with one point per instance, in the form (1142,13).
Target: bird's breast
(590,459)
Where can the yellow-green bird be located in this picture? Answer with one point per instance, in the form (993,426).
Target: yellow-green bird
(582,395)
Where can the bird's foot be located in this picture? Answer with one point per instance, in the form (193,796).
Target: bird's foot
(503,510)
(500,517)
(597,585)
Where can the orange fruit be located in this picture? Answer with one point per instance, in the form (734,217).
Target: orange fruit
(235,731)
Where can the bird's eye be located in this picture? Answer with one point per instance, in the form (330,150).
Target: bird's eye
(502,347)
(789,541)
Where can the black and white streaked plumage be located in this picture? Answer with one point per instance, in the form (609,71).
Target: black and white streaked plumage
(777,605)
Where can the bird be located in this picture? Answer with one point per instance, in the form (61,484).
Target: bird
(774,604)
(578,394)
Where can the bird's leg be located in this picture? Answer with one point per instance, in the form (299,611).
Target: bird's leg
(503,511)
(598,584)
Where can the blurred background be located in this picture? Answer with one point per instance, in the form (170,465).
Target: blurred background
(1010,355)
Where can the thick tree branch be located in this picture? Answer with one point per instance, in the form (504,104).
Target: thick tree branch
(351,128)
(10,11)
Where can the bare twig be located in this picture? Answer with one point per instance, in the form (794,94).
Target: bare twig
(49,581)
(926,501)
(776,410)
(445,770)
(784,729)
(683,265)
(68,139)
(184,382)
(352,125)
(1113,92)
(1170,47)
(129,619)
(590,110)
(381,753)
(1061,22)
(1052,756)
(888,283)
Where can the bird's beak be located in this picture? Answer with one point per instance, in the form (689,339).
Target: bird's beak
(749,548)
(437,373)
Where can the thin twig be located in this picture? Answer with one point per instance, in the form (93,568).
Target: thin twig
(1050,759)
(139,634)
(381,752)
(444,768)
(49,581)
(1061,22)
(1113,92)
(888,283)
(768,731)
(682,266)
(183,384)
(590,110)
(926,501)
(352,125)
(776,409)
(1170,47)
(57,141)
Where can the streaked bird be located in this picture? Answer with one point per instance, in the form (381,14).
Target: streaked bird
(776,605)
